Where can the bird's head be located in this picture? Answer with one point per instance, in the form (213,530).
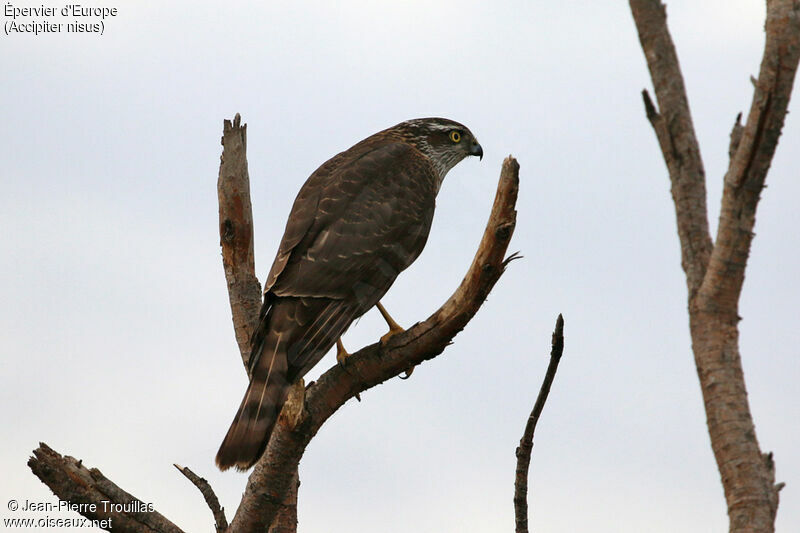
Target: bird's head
(444,141)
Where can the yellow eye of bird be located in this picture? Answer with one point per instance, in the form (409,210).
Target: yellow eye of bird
(455,136)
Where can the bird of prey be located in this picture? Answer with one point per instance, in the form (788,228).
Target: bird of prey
(357,222)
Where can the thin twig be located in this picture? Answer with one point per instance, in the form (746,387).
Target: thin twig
(526,442)
(220,522)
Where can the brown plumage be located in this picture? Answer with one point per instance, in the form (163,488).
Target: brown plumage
(358,221)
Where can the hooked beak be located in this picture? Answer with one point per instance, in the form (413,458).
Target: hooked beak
(476,149)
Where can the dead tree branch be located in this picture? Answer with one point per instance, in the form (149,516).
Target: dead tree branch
(715,272)
(526,442)
(304,414)
(236,234)
(220,522)
(675,132)
(104,501)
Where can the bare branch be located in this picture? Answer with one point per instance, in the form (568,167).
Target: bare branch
(675,132)
(715,274)
(749,165)
(236,234)
(105,501)
(526,442)
(220,522)
(374,364)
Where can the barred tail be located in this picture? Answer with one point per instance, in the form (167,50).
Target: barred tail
(292,336)
(249,433)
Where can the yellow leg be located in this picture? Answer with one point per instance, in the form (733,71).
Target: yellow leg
(341,358)
(341,353)
(394,329)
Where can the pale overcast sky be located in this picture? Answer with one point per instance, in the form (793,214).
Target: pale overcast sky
(116,344)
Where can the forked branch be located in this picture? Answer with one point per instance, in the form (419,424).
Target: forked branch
(715,272)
